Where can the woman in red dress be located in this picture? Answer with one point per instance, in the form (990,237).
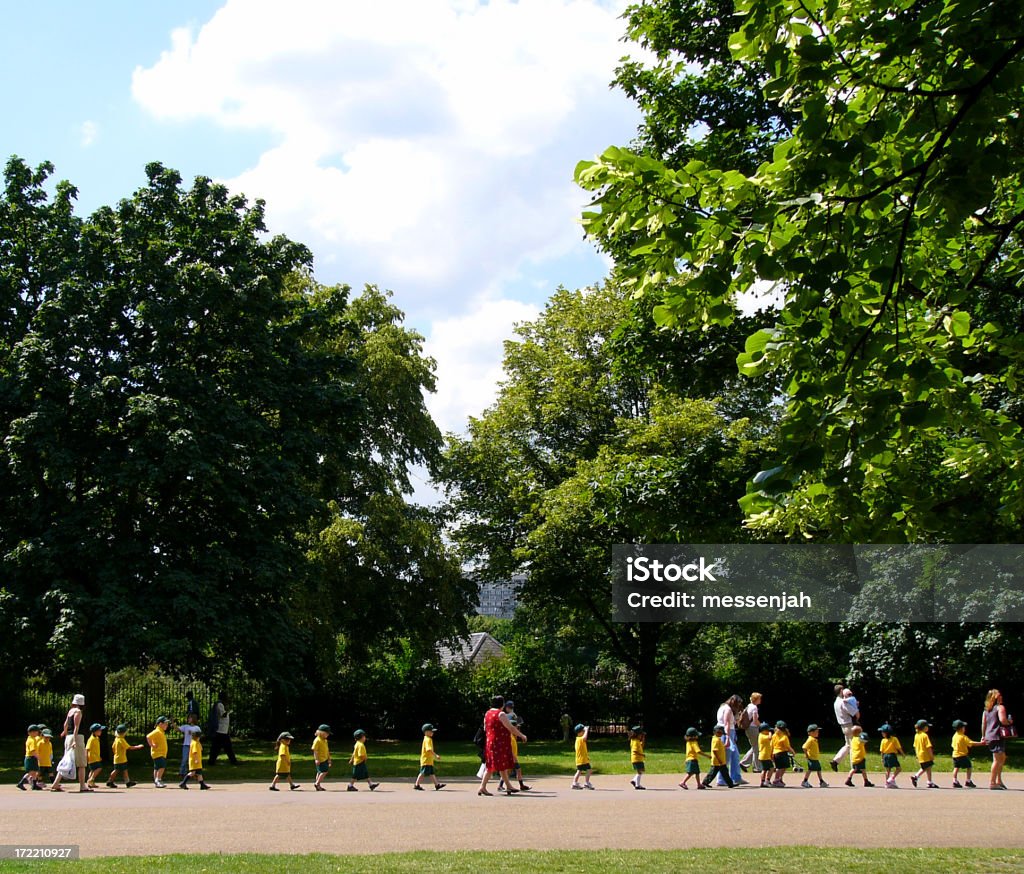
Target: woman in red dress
(499,730)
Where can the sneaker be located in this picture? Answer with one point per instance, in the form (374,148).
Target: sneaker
(631,783)
(524,788)
(806,785)
(641,787)
(418,788)
(442,785)
(159,785)
(129,784)
(891,784)
(823,785)
(374,786)
(295,786)
(204,785)
(588,785)
(835,766)
(318,787)
(849,782)
(111,784)
(576,786)
(913,780)
(869,784)
(970,784)
(684,786)
(352,789)
(183,786)
(21,784)
(274,789)
(956,784)
(933,785)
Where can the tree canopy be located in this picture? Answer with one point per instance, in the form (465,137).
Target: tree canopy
(889,222)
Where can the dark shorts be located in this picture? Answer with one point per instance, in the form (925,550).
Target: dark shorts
(119,768)
(962,762)
(360,772)
(426,770)
(44,772)
(693,767)
(323,767)
(283,773)
(859,767)
(926,765)
(31,763)
(890,760)
(159,762)
(781,761)
(813,765)
(767,764)
(997,746)
(584,767)
(638,767)
(94,767)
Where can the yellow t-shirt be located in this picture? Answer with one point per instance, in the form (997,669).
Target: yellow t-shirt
(158,743)
(321,752)
(44,752)
(858,751)
(961,744)
(692,750)
(119,748)
(515,747)
(30,746)
(780,743)
(92,749)
(890,744)
(811,748)
(717,751)
(195,755)
(427,751)
(284,759)
(358,752)
(764,746)
(582,754)
(923,747)
(636,751)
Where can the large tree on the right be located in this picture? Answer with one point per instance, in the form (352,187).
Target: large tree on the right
(889,221)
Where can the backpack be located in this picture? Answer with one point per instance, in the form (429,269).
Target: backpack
(744,720)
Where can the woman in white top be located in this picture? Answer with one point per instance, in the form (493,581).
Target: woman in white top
(752,718)
(727,716)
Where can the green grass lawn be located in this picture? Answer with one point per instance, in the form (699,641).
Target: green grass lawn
(791,860)
(400,759)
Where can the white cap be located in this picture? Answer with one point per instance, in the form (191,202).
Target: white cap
(79,699)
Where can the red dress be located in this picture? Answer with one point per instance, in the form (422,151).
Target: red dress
(499,742)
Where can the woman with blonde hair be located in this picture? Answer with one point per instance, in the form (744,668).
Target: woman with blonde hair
(993,718)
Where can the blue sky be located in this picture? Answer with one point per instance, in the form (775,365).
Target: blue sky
(426,146)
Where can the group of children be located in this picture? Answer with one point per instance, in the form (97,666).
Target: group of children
(775,753)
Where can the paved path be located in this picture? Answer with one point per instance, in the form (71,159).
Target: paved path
(245,817)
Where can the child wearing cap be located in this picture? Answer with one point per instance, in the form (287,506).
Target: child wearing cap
(764,753)
(782,753)
(93,756)
(637,737)
(195,762)
(119,749)
(516,770)
(44,755)
(810,749)
(427,758)
(321,756)
(925,754)
(961,753)
(157,740)
(283,766)
(693,754)
(858,756)
(31,775)
(358,762)
(891,751)
(718,760)
(188,730)
(583,767)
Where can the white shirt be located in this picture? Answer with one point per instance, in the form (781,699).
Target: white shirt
(844,713)
(223,720)
(187,732)
(726,717)
(755,717)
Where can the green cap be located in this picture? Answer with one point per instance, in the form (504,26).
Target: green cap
(579,727)
(765,726)
(885,729)
(922,723)
(33,727)
(358,733)
(813,727)
(121,729)
(47,733)
(781,724)
(162,719)
(326,728)
(692,732)
(959,723)
(284,735)
(96,727)
(427,727)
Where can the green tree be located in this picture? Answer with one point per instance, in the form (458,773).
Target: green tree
(890,221)
(182,412)
(577,455)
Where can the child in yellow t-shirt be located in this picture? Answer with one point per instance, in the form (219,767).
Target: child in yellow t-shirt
(693,752)
(31,775)
(195,762)
(764,753)
(891,751)
(718,765)
(782,752)
(810,749)
(283,765)
(358,762)
(925,753)
(44,755)
(119,751)
(961,753)
(583,767)
(93,757)
(637,738)
(321,756)
(427,758)
(858,756)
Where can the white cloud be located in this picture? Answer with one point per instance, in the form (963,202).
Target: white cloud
(88,133)
(427,145)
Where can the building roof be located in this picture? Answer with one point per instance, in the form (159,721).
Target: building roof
(472,650)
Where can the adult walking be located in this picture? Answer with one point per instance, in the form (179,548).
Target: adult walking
(221,716)
(726,717)
(499,730)
(993,718)
(847,712)
(750,722)
(74,740)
